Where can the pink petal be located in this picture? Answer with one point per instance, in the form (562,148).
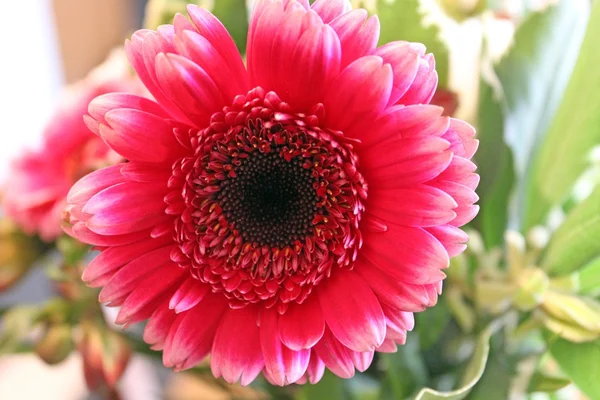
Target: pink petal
(302,325)
(190,87)
(145,172)
(190,293)
(237,357)
(113,101)
(191,338)
(140,136)
(352,311)
(419,205)
(122,283)
(151,287)
(461,137)
(316,368)
(95,182)
(358,35)
(106,264)
(336,356)
(283,365)
(408,254)
(423,87)
(328,10)
(404,60)
(212,29)
(391,291)
(453,239)
(367,76)
(157,328)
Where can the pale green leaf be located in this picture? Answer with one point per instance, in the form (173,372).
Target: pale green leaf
(404,20)
(547,383)
(432,323)
(589,277)
(472,374)
(580,362)
(330,387)
(574,130)
(233,14)
(577,241)
(533,75)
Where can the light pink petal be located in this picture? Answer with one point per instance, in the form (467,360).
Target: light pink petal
(302,325)
(95,182)
(423,87)
(358,35)
(461,137)
(329,10)
(362,360)
(419,205)
(352,311)
(388,346)
(199,50)
(140,136)
(283,365)
(404,59)
(316,368)
(80,231)
(400,320)
(146,172)
(453,239)
(135,50)
(114,101)
(237,357)
(461,170)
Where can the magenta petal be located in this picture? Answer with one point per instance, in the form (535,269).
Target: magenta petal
(191,338)
(190,293)
(336,356)
(352,311)
(316,368)
(157,328)
(95,182)
(328,10)
(302,325)
(237,357)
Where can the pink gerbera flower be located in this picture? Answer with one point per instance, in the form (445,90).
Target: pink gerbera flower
(39,180)
(282,217)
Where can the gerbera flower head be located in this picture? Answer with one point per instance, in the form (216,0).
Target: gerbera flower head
(282,217)
(34,195)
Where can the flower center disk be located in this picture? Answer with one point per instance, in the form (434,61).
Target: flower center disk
(269,205)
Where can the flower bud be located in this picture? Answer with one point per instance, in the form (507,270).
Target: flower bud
(17,252)
(160,12)
(56,344)
(105,356)
(572,310)
(462,9)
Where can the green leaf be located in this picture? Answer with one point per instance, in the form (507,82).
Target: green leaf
(579,361)
(330,387)
(546,383)
(432,323)
(403,20)
(533,75)
(574,130)
(405,370)
(472,374)
(234,15)
(495,164)
(589,277)
(577,240)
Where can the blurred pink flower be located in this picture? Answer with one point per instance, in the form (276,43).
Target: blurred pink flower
(39,180)
(282,217)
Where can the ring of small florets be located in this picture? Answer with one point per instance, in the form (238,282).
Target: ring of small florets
(271,202)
